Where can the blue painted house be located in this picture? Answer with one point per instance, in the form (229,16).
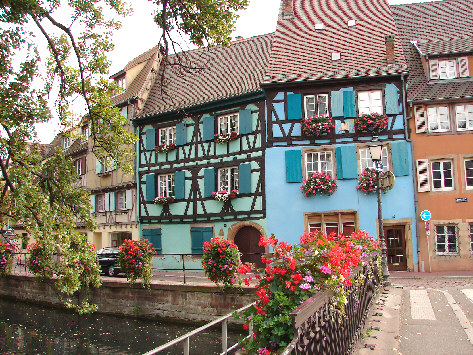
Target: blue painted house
(342,61)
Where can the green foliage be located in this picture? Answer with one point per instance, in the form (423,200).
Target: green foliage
(6,256)
(135,260)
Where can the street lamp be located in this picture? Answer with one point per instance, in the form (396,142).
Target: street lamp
(376,150)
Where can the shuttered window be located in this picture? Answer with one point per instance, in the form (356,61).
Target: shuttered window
(166,185)
(423,177)
(228,124)
(318,162)
(438,118)
(367,162)
(200,235)
(228,179)
(167,135)
(434,69)
(150,137)
(469,174)
(447,69)
(316,105)
(370,102)
(464,117)
(154,237)
(421,119)
(463,69)
(442,175)
(294,106)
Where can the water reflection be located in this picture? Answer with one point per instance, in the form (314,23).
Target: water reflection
(29,329)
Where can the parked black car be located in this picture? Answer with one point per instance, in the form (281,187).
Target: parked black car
(108,261)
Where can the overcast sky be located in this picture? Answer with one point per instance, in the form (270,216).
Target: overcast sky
(139,33)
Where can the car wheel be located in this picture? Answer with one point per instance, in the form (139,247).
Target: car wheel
(111,271)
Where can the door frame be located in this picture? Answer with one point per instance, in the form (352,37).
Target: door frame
(407,224)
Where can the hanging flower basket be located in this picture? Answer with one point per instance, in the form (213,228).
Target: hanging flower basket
(316,125)
(367,181)
(225,137)
(224,195)
(163,200)
(319,183)
(163,148)
(373,123)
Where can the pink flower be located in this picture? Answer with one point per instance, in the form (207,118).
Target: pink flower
(325,269)
(305,286)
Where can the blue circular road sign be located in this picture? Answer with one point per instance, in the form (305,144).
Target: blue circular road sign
(425,215)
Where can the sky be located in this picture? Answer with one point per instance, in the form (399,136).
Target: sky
(139,33)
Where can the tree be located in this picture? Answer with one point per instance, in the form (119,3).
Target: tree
(39,193)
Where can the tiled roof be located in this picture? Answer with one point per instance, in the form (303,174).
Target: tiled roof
(449,46)
(208,75)
(301,52)
(437,26)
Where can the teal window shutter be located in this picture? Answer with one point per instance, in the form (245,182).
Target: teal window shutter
(391,97)
(349,105)
(294,106)
(347,164)
(179,185)
(154,237)
(92,203)
(98,166)
(336,103)
(245,122)
(181,134)
(200,235)
(129,199)
(208,128)
(209,182)
(150,192)
(150,139)
(293,166)
(244,178)
(400,158)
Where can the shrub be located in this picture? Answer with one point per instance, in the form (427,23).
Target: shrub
(319,183)
(367,181)
(316,125)
(6,257)
(37,261)
(135,258)
(220,261)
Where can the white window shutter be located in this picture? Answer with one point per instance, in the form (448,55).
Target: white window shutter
(434,69)
(463,69)
(129,199)
(419,114)
(107,201)
(423,179)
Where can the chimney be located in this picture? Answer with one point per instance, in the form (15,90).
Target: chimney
(390,57)
(287,9)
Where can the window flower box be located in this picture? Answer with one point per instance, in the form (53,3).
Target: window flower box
(367,181)
(225,195)
(225,137)
(316,125)
(164,200)
(374,123)
(319,183)
(163,148)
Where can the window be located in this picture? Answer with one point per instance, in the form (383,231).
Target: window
(85,130)
(100,202)
(464,117)
(442,175)
(338,223)
(367,162)
(446,239)
(228,124)
(447,69)
(450,68)
(121,82)
(167,135)
(78,166)
(166,185)
(370,102)
(316,105)
(228,179)
(121,200)
(66,142)
(438,118)
(200,235)
(318,162)
(469,173)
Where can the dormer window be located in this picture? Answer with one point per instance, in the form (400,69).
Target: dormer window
(449,68)
(121,82)
(66,142)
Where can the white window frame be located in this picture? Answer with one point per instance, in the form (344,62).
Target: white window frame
(434,116)
(100,198)
(228,179)
(447,69)
(78,166)
(366,161)
(312,105)
(66,142)
(468,174)
(166,185)
(121,200)
(167,135)
(445,241)
(442,171)
(228,123)
(121,82)
(465,112)
(319,161)
(368,103)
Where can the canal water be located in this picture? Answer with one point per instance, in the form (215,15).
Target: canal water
(31,329)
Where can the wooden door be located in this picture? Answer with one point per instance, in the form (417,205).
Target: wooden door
(247,240)
(396,247)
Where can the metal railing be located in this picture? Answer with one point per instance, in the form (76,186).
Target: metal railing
(185,339)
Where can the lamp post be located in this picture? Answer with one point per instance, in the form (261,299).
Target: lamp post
(376,151)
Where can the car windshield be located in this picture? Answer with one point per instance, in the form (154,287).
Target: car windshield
(106,251)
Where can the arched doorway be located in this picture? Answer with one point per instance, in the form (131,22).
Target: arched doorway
(247,240)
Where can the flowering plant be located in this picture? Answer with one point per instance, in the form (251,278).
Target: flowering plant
(224,195)
(319,182)
(220,261)
(367,181)
(316,125)
(6,257)
(135,258)
(37,261)
(225,137)
(162,200)
(297,272)
(374,122)
(162,148)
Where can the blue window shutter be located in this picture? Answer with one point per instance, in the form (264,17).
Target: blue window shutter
(154,237)
(198,237)
(336,103)
(400,158)
(150,139)
(92,203)
(293,166)
(150,192)
(347,164)
(98,166)
(179,185)
(391,97)
(294,106)
(209,182)
(181,134)
(349,105)
(244,178)
(208,128)
(129,199)
(245,122)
